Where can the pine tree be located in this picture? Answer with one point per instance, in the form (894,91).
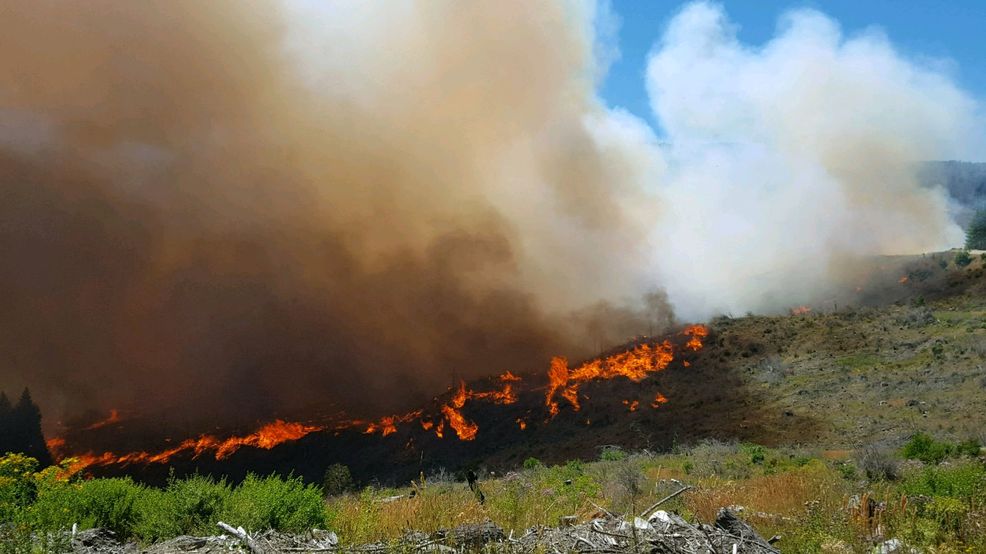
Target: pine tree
(25,430)
(5,423)
(975,237)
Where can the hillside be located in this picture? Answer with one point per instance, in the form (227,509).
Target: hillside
(903,350)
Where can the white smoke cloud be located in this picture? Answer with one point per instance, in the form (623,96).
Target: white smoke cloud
(791,159)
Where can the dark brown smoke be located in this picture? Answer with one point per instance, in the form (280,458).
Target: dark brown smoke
(231,210)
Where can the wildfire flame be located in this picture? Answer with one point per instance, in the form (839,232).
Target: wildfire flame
(267,437)
(903,280)
(635,364)
(114,417)
(696,334)
(800,310)
(659,399)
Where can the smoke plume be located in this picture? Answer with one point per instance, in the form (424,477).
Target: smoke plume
(236,209)
(241,208)
(792,161)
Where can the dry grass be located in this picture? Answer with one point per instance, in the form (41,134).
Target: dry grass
(785,494)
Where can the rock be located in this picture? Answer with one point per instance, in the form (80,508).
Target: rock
(727,520)
(324,539)
(477,534)
(96,539)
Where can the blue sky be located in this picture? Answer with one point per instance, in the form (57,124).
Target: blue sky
(949,29)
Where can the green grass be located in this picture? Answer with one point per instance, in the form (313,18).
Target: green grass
(799,494)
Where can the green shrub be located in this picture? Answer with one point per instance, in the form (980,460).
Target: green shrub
(963,258)
(262,503)
(337,480)
(966,481)
(612,454)
(847,470)
(187,506)
(532,463)
(969,447)
(926,449)
(756,453)
(109,503)
(17,486)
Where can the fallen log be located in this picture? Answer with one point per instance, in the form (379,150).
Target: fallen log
(243,537)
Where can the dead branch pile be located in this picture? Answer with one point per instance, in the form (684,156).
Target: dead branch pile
(660,533)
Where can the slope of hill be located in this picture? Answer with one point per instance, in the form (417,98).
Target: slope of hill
(903,350)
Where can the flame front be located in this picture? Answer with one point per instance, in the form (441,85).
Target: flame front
(635,364)
(267,437)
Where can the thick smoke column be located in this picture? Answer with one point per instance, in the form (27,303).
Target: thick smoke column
(792,160)
(236,209)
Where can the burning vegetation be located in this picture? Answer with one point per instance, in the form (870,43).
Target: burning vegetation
(635,364)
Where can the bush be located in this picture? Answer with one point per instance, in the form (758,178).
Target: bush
(963,258)
(612,454)
(337,480)
(970,447)
(756,453)
(878,464)
(262,503)
(925,448)
(965,482)
(186,507)
(532,463)
(17,488)
(109,503)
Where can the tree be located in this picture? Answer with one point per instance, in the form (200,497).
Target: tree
(5,430)
(975,236)
(21,428)
(337,480)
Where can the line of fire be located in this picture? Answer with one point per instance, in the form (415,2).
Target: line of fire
(447,418)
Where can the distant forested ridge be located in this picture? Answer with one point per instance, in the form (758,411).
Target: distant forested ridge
(964,181)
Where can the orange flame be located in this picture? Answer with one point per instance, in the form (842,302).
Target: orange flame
(800,310)
(903,280)
(464,429)
(635,364)
(659,399)
(507,376)
(55,446)
(695,333)
(267,437)
(114,417)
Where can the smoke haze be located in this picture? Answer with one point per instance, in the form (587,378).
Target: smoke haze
(241,208)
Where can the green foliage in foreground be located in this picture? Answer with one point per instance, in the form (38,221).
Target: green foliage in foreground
(933,504)
(45,502)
